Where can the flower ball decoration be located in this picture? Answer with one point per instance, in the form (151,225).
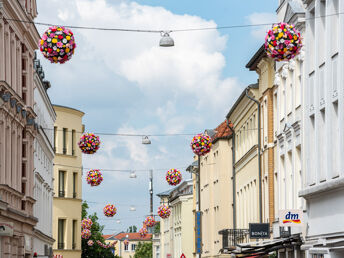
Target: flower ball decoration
(89,143)
(283,42)
(173,177)
(143,232)
(86,233)
(126,242)
(94,177)
(164,211)
(110,210)
(150,221)
(201,144)
(58,44)
(90,243)
(86,223)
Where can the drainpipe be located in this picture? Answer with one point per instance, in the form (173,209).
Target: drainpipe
(199,198)
(259,158)
(233,173)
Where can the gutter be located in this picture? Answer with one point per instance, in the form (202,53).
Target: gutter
(259,157)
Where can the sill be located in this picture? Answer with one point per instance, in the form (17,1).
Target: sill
(324,187)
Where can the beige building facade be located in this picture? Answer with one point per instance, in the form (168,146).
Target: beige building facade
(67,183)
(18,129)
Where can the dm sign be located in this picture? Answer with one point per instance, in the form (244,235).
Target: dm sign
(290,218)
(198,232)
(259,230)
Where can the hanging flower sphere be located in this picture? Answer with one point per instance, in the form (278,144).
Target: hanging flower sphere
(164,211)
(126,242)
(58,44)
(110,210)
(86,223)
(283,42)
(89,143)
(86,233)
(94,177)
(150,221)
(90,243)
(201,144)
(173,177)
(143,232)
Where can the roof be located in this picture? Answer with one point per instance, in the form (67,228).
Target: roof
(132,236)
(166,193)
(107,236)
(54,105)
(222,132)
(242,95)
(258,56)
(193,164)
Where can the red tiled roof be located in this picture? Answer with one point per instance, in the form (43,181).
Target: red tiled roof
(222,131)
(133,236)
(106,236)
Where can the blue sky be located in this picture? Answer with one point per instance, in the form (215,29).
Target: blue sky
(125,83)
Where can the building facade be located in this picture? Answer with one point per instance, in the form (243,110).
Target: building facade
(176,232)
(215,180)
(323,121)
(18,42)
(68,182)
(43,162)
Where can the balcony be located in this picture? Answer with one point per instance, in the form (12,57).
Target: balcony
(233,237)
(60,246)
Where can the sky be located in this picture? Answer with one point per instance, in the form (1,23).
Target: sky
(126,83)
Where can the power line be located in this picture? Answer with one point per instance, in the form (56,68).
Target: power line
(160,31)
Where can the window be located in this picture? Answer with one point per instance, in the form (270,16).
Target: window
(64,140)
(74,234)
(73,139)
(322,85)
(126,247)
(75,178)
(62,183)
(335,76)
(133,247)
(55,137)
(61,228)
(311,40)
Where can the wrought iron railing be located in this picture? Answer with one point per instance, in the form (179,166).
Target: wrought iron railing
(233,237)
(60,246)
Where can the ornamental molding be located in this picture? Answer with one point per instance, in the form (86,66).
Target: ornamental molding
(285,71)
(292,65)
(277,80)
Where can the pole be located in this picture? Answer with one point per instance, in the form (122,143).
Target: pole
(151,191)
(199,195)
(259,158)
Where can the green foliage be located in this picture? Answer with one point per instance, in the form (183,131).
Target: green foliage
(157,228)
(96,229)
(132,229)
(144,250)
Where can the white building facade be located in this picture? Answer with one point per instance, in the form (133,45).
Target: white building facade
(323,128)
(43,162)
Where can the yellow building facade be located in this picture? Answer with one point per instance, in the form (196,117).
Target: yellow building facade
(67,182)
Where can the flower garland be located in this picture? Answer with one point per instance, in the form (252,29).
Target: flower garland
(86,233)
(173,177)
(150,221)
(110,210)
(164,211)
(143,231)
(90,243)
(283,42)
(106,245)
(201,144)
(89,143)
(94,177)
(86,223)
(57,44)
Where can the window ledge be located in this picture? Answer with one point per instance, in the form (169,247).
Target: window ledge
(317,189)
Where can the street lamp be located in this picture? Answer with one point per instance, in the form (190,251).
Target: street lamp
(146,140)
(132,175)
(166,40)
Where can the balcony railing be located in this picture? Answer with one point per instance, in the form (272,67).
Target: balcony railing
(62,193)
(232,237)
(60,246)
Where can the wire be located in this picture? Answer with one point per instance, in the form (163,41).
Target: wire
(159,31)
(120,170)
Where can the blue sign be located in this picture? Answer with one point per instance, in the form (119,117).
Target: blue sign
(198,232)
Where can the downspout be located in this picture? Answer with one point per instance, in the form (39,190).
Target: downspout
(259,157)
(233,173)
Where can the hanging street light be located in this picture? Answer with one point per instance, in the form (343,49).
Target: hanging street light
(132,175)
(146,140)
(166,40)
(132,208)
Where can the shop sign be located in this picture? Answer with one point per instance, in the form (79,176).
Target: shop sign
(290,218)
(6,229)
(259,230)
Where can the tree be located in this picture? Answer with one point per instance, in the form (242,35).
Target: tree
(157,228)
(144,250)
(132,229)
(96,229)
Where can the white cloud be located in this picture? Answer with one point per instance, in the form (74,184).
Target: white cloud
(261,18)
